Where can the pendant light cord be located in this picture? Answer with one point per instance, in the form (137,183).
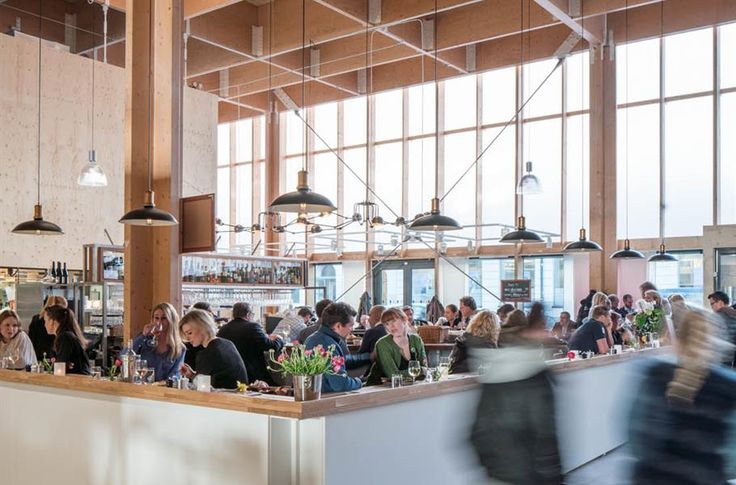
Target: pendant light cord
(94,56)
(663,187)
(367,98)
(40,39)
(304,80)
(626,88)
(436,111)
(150,92)
(582,123)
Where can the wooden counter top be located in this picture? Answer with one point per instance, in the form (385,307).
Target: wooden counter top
(427,347)
(333,403)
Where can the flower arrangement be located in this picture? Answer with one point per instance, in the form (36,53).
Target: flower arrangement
(312,362)
(649,320)
(114,370)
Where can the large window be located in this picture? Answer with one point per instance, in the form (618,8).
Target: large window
(489,273)
(330,277)
(665,92)
(547,274)
(684,276)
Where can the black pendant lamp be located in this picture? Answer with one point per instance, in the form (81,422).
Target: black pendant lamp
(149,215)
(37,226)
(627,252)
(582,245)
(662,256)
(435,221)
(303,200)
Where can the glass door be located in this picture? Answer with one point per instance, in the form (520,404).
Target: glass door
(399,283)
(726,271)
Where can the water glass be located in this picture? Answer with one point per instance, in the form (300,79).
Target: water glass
(396,380)
(96,372)
(415,369)
(150,376)
(430,374)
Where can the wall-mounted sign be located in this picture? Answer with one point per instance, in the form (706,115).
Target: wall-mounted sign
(516,291)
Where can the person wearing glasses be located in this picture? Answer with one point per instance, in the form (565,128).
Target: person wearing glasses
(15,346)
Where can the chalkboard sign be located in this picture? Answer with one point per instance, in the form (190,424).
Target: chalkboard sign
(516,290)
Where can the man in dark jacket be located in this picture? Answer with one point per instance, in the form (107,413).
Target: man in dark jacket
(318,309)
(251,342)
(719,303)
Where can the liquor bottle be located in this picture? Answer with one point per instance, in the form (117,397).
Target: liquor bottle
(53,270)
(127,357)
(65,275)
(58,272)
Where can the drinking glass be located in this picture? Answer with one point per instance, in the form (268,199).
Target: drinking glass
(396,380)
(141,368)
(430,374)
(96,372)
(150,377)
(444,366)
(414,370)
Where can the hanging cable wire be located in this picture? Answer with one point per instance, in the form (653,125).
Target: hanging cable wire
(40,40)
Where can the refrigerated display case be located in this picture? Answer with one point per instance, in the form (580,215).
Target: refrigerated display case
(99,308)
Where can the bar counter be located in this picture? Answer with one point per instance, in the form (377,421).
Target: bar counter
(96,431)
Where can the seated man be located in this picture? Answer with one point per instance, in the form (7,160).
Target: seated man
(337,323)
(593,335)
(564,328)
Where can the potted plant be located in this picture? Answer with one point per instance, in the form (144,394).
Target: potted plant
(306,368)
(648,323)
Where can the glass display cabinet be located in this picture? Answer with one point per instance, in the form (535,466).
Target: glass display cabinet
(99,308)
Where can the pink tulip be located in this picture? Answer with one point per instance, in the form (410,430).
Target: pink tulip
(281,358)
(118,363)
(307,353)
(336,369)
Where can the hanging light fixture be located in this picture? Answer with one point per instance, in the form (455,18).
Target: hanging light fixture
(627,252)
(92,174)
(661,256)
(37,226)
(149,215)
(582,245)
(303,200)
(529,183)
(435,221)
(520,234)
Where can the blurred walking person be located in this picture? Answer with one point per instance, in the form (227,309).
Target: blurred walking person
(679,425)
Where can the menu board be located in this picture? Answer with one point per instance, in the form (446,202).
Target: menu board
(516,290)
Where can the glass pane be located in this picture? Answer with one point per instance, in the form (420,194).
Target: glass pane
(421,175)
(684,276)
(244,201)
(727,196)
(392,287)
(354,121)
(223,201)
(544,148)
(688,191)
(577,176)
(499,95)
(547,275)
(325,183)
(244,141)
(499,179)
(578,80)
(295,232)
(489,272)
(548,99)
(686,54)
(642,183)
(223,144)
(643,65)
(421,109)
(261,135)
(325,124)
(460,105)
(293,128)
(354,234)
(330,276)
(422,290)
(388,179)
(389,115)
(727,272)
(727,59)
(460,202)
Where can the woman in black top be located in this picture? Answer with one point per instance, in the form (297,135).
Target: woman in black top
(69,343)
(43,342)
(218,358)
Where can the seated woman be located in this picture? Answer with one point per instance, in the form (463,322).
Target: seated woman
(452,316)
(482,333)
(160,343)
(397,348)
(43,343)
(218,358)
(14,343)
(69,343)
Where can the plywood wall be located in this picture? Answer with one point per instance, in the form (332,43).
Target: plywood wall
(82,212)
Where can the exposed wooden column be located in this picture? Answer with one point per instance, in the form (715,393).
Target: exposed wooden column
(602,198)
(273,172)
(152,262)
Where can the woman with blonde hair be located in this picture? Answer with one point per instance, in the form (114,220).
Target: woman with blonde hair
(43,343)
(160,343)
(219,358)
(482,333)
(14,343)
(680,418)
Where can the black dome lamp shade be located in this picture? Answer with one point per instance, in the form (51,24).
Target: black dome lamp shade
(435,221)
(37,226)
(627,252)
(662,256)
(303,200)
(521,234)
(582,245)
(149,215)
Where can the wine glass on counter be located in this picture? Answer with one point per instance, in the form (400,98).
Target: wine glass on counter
(141,369)
(415,369)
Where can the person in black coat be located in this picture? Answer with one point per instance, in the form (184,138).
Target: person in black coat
(69,343)
(218,358)
(43,342)
(375,332)
(251,342)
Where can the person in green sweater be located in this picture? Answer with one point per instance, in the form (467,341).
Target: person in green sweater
(397,348)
